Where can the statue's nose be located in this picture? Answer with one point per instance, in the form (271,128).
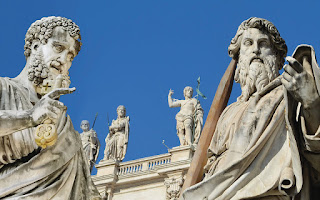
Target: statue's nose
(256,49)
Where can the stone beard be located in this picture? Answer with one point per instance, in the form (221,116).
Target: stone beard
(255,77)
(39,71)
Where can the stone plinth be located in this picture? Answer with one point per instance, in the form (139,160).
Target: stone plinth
(181,153)
(158,177)
(107,167)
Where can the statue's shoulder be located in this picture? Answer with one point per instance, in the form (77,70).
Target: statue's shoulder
(93,132)
(195,101)
(1,80)
(6,81)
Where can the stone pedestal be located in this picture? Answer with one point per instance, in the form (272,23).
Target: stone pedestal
(158,177)
(107,167)
(181,153)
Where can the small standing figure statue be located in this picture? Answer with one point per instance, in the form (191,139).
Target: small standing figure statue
(189,118)
(90,143)
(117,139)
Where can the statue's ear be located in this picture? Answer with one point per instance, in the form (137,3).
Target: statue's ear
(35,45)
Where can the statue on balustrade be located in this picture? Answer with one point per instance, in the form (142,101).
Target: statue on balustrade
(189,118)
(266,145)
(90,143)
(41,156)
(117,139)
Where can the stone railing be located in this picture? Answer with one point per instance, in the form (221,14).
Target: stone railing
(144,164)
(154,163)
(128,169)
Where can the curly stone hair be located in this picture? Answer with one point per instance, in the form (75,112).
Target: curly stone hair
(264,25)
(42,29)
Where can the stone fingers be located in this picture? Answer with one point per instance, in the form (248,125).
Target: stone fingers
(55,108)
(52,114)
(288,79)
(47,108)
(293,74)
(294,64)
(60,91)
(58,104)
(287,84)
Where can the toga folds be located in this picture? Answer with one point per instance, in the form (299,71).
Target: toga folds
(31,173)
(117,139)
(91,146)
(261,149)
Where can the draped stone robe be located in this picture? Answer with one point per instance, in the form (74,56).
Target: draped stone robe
(262,150)
(31,173)
(91,146)
(117,140)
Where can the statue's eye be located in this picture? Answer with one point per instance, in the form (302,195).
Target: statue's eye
(263,43)
(58,47)
(247,42)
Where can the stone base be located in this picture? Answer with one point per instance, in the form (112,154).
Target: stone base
(182,153)
(157,177)
(107,167)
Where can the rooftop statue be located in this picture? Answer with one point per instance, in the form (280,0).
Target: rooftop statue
(46,162)
(90,143)
(117,139)
(189,118)
(266,144)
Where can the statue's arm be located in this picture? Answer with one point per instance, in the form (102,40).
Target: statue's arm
(171,102)
(46,108)
(12,121)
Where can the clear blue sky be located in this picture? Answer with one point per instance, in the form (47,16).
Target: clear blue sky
(134,51)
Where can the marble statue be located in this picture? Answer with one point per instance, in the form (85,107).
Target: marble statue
(33,166)
(266,144)
(117,139)
(90,143)
(189,118)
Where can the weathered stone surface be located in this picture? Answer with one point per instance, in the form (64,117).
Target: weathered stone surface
(28,171)
(266,144)
(117,139)
(90,143)
(189,118)
(159,177)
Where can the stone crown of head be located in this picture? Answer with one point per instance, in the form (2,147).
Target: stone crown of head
(41,30)
(84,122)
(265,26)
(122,108)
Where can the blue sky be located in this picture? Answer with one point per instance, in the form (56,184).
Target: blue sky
(134,51)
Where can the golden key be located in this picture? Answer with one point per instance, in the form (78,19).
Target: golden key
(46,134)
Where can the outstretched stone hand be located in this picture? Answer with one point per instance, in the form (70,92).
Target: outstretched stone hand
(299,81)
(170,93)
(48,107)
(46,113)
